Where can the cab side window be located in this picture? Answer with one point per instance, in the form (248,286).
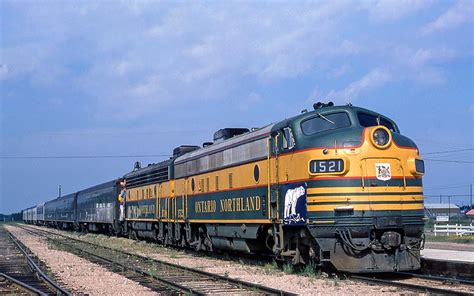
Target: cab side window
(287,141)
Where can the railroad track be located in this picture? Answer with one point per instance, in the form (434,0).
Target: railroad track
(19,273)
(429,284)
(443,279)
(159,276)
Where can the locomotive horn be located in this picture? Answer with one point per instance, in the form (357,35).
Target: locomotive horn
(318,105)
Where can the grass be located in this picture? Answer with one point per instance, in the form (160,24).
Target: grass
(310,270)
(270,268)
(288,268)
(451,239)
(125,244)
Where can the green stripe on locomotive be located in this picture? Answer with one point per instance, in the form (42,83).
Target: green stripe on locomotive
(246,204)
(359,216)
(142,209)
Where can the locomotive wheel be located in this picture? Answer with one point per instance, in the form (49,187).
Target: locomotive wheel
(111,230)
(132,234)
(183,242)
(198,244)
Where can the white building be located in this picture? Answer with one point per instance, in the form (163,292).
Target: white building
(441,209)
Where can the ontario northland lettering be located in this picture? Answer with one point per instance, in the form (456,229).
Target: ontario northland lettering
(138,211)
(235,204)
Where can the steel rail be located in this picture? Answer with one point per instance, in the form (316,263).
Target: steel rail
(36,268)
(22,285)
(409,286)
(171,285)
(175,286)
(248,285)
(279,292)
(437,278)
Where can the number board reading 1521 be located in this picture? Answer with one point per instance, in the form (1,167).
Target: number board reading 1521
(326,166)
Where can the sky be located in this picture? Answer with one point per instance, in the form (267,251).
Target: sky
(102,79)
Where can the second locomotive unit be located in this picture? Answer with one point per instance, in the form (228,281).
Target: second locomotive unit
(339,186)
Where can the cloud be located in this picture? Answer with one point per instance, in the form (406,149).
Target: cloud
(392,10)
(249,102)
(316,95)
(26,60)
(148,88)
(460,13)
(425,56)
(340,70)
(374,79)
(204,52)
(3,72)
(150,56)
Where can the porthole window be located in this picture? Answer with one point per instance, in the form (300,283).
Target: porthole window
(192,184)
(256,173)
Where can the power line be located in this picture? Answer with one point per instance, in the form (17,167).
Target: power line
(438,143)
(448,151)
(85,156)
(453,195)
(458,185)
(445,160)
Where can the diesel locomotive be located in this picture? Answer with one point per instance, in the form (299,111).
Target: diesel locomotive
(338,185)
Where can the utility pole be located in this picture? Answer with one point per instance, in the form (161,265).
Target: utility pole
(440,199)
(59,190)
(449,205)
(472,206)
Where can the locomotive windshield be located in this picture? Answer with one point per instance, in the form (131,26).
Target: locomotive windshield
(367,120)
(325,122)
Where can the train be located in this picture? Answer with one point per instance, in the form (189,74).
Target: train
(337,186)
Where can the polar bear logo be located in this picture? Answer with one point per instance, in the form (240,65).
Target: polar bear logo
(291,199)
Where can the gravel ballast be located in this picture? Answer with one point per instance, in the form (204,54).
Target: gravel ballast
(268,274)
(79,275)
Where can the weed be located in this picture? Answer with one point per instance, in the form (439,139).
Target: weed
(288,268)
(310,270)
(274,264)
(270,268)
(451,238)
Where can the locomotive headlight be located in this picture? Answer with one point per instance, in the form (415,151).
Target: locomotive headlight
(416,166)
(381,137)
